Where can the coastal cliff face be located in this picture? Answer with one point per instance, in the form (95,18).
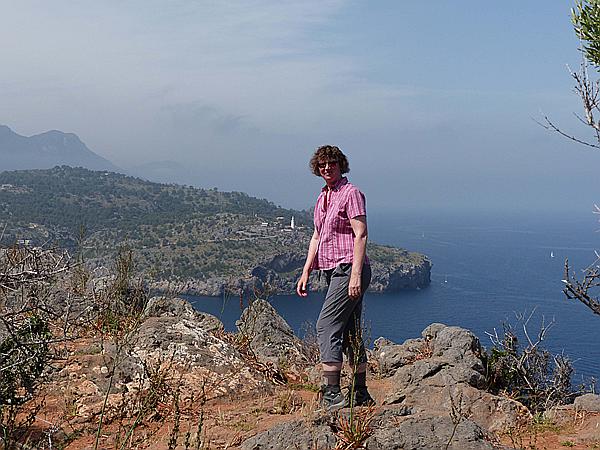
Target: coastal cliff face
(393,278)
(281,272)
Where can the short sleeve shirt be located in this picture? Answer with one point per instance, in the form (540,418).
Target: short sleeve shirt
(332,221)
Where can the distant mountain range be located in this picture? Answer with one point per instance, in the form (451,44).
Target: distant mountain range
(56,148)
(47,150)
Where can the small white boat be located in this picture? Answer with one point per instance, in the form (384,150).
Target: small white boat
(551,254)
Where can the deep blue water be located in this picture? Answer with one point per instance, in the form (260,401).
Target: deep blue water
(486,269)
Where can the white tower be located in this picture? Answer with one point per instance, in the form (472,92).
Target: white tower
(292,224)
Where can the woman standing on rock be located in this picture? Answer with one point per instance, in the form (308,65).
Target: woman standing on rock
(338,249)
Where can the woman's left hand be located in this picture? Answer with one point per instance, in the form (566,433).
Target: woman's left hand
(354,289)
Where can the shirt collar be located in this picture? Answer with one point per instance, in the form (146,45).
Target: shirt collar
(342,181)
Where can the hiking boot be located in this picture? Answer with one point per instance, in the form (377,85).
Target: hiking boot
(361,397)
(332,398)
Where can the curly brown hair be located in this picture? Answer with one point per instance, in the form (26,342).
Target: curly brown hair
(328,153)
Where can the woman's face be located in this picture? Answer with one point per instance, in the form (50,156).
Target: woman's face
(330,171)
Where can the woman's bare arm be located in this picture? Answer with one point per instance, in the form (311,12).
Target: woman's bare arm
(359,227)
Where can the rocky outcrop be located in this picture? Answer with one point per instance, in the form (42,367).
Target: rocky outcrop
(173,337)
(392,429)
(180,308)
(431,393)
(443,371)
(588,402)
(269,336)
(436,400)
(293,435)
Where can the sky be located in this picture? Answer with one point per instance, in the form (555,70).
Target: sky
(435,103)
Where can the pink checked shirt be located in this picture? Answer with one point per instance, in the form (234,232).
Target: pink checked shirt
(332,222)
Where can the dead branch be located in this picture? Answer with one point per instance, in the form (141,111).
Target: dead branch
(580,289)
(24,265)
(589,93)
(530,373)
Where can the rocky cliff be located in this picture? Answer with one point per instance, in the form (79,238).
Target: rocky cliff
(281,272)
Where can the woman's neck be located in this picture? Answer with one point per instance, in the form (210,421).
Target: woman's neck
(331,183)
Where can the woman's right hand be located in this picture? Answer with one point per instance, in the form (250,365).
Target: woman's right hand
(302,286)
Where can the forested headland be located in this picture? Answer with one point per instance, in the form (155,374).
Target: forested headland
(199,241)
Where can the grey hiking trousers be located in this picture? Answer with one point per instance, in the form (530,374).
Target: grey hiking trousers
(339,325)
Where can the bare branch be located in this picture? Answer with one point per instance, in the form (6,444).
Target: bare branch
(550,126)
(580,289)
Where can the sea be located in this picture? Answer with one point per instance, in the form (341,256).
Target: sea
(489,270)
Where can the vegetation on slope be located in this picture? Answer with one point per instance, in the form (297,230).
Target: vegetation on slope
(178,232)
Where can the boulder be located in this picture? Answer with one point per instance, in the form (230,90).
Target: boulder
(298,435)
(178,307)
(491,412)
(458,346)
(191,341)
(390,356)
(269,336)
(444,356)
(431,331)
(392,429)
(426,432)
(183,345)
(588,402)
(447,367)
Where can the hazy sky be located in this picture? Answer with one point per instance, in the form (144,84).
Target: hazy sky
(432,101)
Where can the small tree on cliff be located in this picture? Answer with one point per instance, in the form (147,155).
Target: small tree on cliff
(586,22)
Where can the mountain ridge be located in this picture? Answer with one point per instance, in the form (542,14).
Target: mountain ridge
(46,150)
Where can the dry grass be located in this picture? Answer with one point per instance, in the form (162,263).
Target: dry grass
(354,430)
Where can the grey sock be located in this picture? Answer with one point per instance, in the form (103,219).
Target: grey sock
(360,379)
(331,378)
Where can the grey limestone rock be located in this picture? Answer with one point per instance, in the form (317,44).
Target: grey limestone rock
(393,428)
(390,356)
(174,338)
(269,335)
(293,435)
(426,432)
(431,331)
(180,308)
(588,402)
(455,358)
(451,370)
